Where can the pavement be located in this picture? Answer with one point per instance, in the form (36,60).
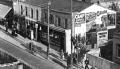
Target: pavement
(27,58)
(23,43)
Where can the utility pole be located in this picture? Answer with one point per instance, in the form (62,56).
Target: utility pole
(48,48)
(72,35)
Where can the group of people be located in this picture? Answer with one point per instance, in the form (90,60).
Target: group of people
(68,58)
(13,27)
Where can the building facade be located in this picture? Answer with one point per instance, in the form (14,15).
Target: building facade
(33,17)
(34,12)
(116,48)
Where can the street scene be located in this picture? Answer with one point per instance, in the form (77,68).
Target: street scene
(59,34)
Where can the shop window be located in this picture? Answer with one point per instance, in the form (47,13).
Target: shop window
(66,21)
(59,21)
(21,10)
(51,19)
(37,14)
(26,11)
(118,50)
(31,13)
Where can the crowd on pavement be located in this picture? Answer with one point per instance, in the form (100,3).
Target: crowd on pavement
(37,47)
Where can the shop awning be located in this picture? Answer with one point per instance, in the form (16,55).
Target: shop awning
(54,27)
(30,19)
(4,10)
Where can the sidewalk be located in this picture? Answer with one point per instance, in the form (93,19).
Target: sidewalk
(22,42)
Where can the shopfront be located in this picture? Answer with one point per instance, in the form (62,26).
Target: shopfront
(19,22)
(57,36)
(30,28)
(25,26)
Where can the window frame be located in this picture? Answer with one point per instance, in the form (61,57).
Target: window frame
(59,21)
(31,12)
(26,9)
(51,19)
(118,47)
(66,23)
(37,14)
(21,10)
(45,16)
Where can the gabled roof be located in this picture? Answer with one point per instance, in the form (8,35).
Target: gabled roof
(95,8)
(61,5)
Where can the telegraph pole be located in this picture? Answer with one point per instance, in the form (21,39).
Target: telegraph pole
(48,48)
(72,35)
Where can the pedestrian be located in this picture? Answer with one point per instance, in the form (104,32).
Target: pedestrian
(86,63)
(62,54)
(68,61)
(6,25)
(14,31)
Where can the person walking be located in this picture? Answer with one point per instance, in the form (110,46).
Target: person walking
(68,61)
(86,63)
(62,54)
(6,25)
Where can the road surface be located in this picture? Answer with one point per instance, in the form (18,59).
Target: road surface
(33,61)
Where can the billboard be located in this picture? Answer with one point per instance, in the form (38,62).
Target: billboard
(78,18)
(102,37)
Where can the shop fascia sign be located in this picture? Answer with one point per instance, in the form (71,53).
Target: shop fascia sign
(87,17)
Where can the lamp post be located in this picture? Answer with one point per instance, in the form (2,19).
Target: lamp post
(48,48)
(72,35)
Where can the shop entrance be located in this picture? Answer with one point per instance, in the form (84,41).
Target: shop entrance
(57,38)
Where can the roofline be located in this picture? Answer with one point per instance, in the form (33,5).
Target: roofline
(45,8)
(60,11)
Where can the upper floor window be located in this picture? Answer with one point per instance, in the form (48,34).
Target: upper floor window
(66,21)
(26,11)
(51,19)
(45,17)
(59,21)
(21,10)
(37,14)
(31,13)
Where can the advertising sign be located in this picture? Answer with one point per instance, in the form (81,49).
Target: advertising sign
(102,37)
(78,18)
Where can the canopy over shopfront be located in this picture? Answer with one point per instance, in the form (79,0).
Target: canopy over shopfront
(4,10)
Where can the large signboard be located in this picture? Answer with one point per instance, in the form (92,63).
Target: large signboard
(78,18)
(102,37)
(100,19)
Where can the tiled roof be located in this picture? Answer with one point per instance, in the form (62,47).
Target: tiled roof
(61,5)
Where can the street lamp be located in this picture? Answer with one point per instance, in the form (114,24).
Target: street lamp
(72,35)
(48,48)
